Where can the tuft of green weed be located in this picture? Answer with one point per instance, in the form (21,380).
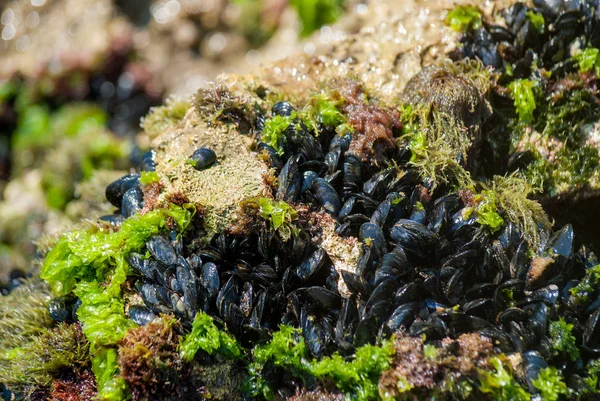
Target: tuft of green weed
(38,362)
(162,117)
(274,132)
(24,314)
(357,377)
(550,384)
(280,215)
(436,143)
(486,210)
(522,92)
(323,108)
(536,19)
(512,200)
(499,383)
(149,177)
(207,337)
(464,19)
(587,286)
(563,340)
(316,13)
(105,366)
(588,60)
(88,255)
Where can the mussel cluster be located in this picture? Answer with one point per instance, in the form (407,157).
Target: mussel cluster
(524,42)
(427,266)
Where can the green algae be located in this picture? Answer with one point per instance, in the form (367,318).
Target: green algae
(522,92)
(356,377)
(162,117)
(87,255)
(562,339)
(590,384)
(486,210)
(81,260)
(589,60)
(207,337)
(550,384)
(316,13)
(499,383)
(149,177)
(536,19)
(38,362)
(464,19)
(512,198)
(24,318)
(102,314)
(435,140)
(280,215)
(105,366)
(274,132)
(323,108)
(587,286)
(286,349)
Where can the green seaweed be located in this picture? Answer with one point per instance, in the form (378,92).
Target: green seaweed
(149,177)
(511,195)
(286,349)
(565,118)
(87,255)
(316,13)
(32,126)
(436,141)
(357,378)
(587,286)
(37,126)
(588,60)
(24,318)
(323,108)
(536,19)
(81,260)
(162,117)
(550,384)
(105,366)
(43,359)
(102,314)
(280,216)
(207,337)
(464,19)
(486,210)
(563,340)
(430,351)
(591,382)
(522,92)
(274,132)
(499,383)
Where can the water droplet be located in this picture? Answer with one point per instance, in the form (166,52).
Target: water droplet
(9,32)
(7,16)
(23,43)
(32,20)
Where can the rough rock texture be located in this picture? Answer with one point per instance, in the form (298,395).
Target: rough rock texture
(236,175)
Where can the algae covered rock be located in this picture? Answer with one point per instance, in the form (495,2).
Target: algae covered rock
(339,247)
